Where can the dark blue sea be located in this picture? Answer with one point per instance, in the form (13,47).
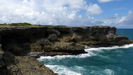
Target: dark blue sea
(117,60)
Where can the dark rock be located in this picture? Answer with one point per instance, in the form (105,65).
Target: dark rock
(44,42)
(62,48)
(64,30)
(24,65)
(2,64)
(52,37)
(16,42)
(22,40)
(53,31)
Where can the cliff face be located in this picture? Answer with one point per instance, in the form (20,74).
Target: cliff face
(58,40)
(17,42)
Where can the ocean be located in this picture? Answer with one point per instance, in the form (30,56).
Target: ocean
(116,60)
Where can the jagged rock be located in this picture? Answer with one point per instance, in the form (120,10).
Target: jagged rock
(27,40)
(24,65)
(52,37)
(2,64)
(64,30)
(39,45)
(22,40)
(62,48)
(53,31)
(110,36)
(49,41)
(44,42)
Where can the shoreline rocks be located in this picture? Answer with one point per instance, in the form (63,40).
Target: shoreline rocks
(22,65)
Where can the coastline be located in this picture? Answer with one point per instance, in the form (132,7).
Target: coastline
(52,61)
(17,42)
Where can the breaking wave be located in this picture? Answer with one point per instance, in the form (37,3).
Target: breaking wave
(89,54)
(59,63)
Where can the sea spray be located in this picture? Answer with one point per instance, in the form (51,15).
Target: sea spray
(62,70)
(89,54)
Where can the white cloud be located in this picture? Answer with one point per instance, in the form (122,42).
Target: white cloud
(103,1)
(59,12)
(128,20)
(56,12)
(120,21)
(94,9)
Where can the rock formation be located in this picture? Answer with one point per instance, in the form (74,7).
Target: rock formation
(62,40)
(18,42)
(21,65)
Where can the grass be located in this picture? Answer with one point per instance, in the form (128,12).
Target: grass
(28,25)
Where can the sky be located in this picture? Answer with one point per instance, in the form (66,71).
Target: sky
(118,13)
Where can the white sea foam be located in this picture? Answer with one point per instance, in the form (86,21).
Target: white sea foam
(62,70)
(109,72)
(89,54)
(110,48)
(59,57)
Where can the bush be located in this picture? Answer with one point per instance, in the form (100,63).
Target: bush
(20,24)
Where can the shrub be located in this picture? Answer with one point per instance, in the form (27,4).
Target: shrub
(20,24)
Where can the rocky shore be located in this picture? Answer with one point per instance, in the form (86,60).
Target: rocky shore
(18,44)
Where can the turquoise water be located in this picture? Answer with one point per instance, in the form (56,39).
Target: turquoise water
(98,61)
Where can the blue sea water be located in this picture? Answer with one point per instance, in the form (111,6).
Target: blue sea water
(117,60)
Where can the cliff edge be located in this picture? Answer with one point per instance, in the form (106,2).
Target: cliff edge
(58,40)
(17,44)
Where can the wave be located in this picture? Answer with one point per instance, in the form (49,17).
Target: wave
(62,70)
(109,72)
(89,54)
(111,48)
(59,57)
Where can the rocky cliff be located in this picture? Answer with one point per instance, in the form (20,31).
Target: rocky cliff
(58,40)
(21,65)
(18,42)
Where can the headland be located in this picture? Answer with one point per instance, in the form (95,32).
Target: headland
(19,43)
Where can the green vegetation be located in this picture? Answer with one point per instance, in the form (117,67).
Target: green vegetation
(16,24)
(28,24)
(61,26)
(20,24)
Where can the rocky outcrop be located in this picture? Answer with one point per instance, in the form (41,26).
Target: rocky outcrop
(2,64)
(22,65)
(58,40)
(62,48)
(17,44)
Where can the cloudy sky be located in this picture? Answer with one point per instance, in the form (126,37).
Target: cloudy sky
(118,13)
